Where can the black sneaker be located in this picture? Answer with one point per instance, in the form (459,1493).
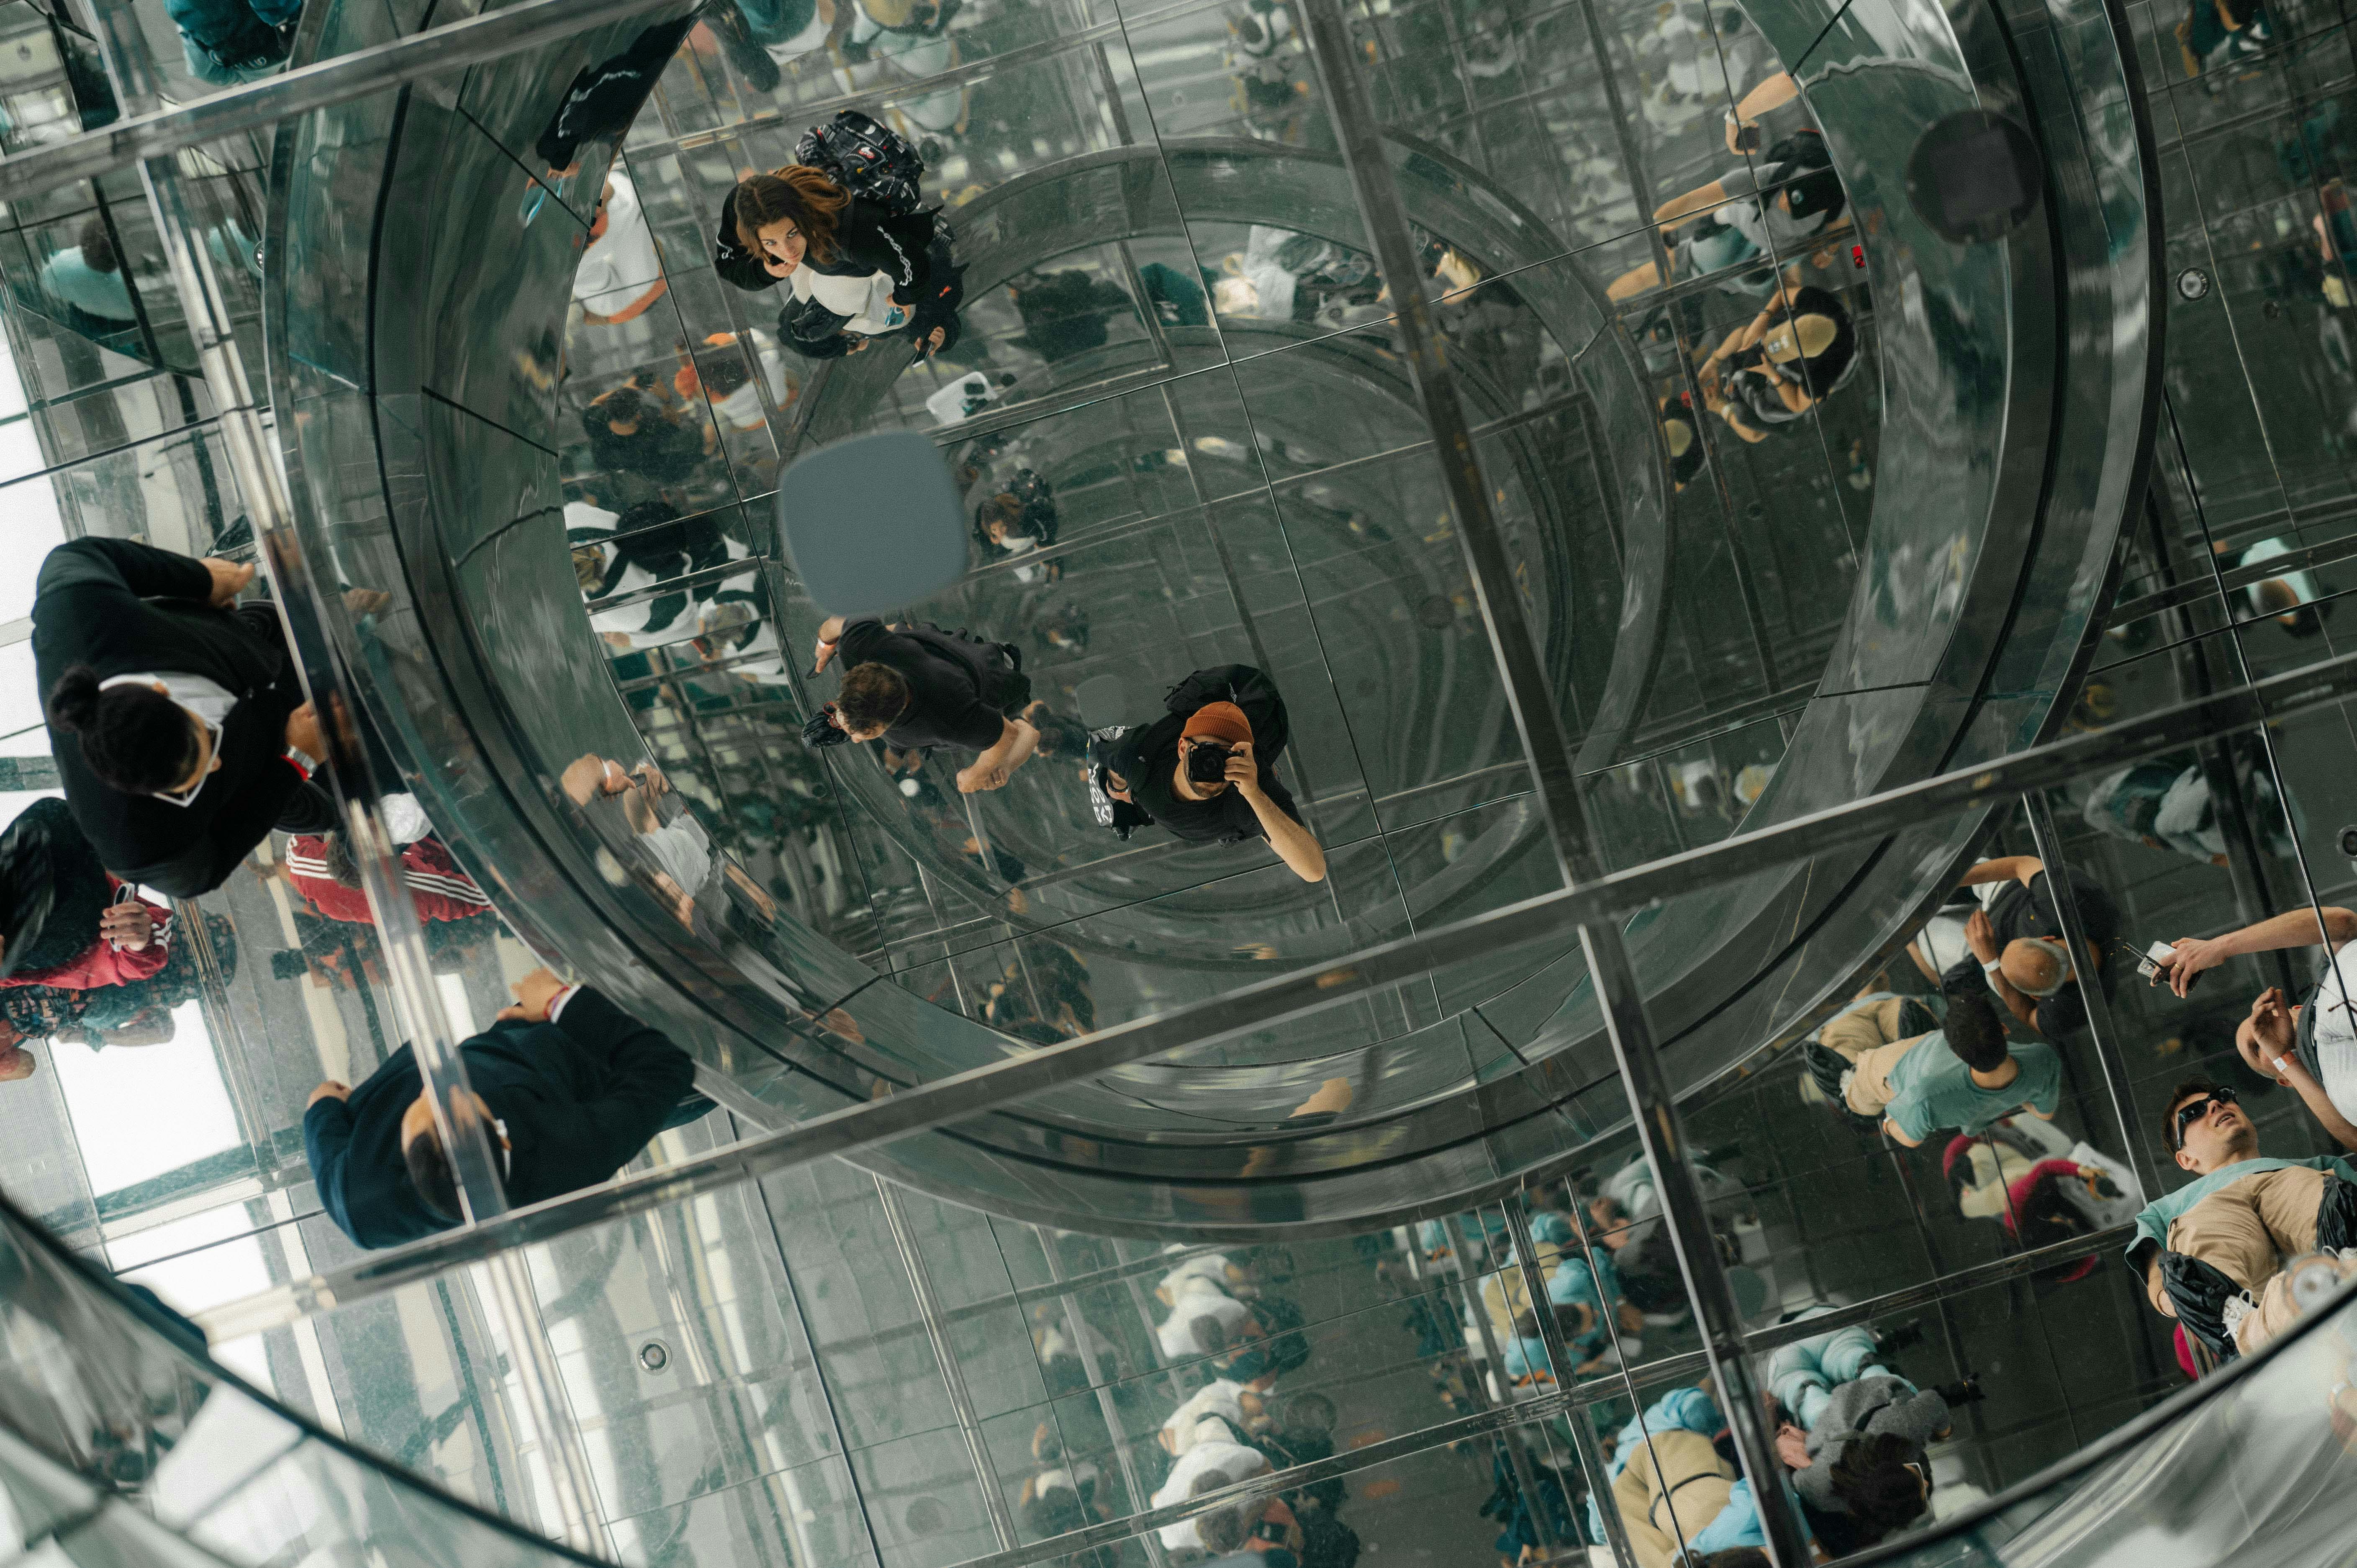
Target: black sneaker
(1826,1068)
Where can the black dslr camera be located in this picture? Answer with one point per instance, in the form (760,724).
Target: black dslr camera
(1207,762)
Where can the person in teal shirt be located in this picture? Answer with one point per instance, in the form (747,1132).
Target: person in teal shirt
(89,277)
(2212,1251)
(1964,1075)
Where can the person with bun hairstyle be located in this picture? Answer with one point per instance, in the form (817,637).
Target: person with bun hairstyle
(854,269)
(179,721)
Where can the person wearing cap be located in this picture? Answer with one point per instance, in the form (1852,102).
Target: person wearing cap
(1235,709)
(571,1087)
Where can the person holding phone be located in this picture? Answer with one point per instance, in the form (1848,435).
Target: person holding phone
(1207,769)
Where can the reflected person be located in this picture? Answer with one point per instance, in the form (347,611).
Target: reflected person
(1772,370)
(1965,1074)
(2309,1045)
(917,687)
(2212,1251)
(1206,770)
(2017,936)
(568,1085)
(855,268)
(176,717)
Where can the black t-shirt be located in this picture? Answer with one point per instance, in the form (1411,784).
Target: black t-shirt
(1148,759)
(2028,911)
(948,681)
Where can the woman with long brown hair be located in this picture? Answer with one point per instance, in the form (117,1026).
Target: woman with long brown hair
(855,268)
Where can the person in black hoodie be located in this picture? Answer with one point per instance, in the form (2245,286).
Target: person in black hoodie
(603,99)
(178,720)
(571,1086)
(854,269)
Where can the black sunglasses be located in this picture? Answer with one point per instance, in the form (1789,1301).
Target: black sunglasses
(2192,1109)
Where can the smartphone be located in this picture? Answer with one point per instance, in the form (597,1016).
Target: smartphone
(2154,957)
(1746,139)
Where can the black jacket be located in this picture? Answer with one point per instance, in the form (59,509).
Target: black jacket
(603,99)
(580,1097)
(124,608)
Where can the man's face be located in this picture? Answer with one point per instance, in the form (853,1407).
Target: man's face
(834,717)
(2219,1136)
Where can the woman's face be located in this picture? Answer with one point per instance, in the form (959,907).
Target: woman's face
(781,246)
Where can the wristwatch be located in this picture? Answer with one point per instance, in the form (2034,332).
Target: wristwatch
(304,759)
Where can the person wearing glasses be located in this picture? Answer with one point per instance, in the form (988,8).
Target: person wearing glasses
(571,1087)
(176,718)
(2212,1251)
(2309,1045)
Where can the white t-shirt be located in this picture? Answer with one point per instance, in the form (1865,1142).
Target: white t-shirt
(1177,1335)
(620,267)
(2336,1033)
(1209,1267)
(1234,1460)
(866,301)
(1224,1398)
(741,410)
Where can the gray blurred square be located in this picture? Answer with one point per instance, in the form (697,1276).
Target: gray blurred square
(872,523)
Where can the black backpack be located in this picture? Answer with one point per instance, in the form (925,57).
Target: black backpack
(870,160)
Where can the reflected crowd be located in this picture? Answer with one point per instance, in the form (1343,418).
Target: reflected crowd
(1213,688)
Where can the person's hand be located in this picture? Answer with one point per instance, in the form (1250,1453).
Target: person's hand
(360,602)
(303,733)
(1242,771)
(128,925)
(980,777)
(229,580)
(933,341)
(330,1089)
(533,994)
(1116,787)
(2192,955)
(1792,1446)
(2273,1027)
(822,655)
(858,343)
(776,266)
(652,780)
(1734,129)
(1631,1317)
(1980,935)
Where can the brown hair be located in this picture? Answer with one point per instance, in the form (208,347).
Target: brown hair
(872,695)
(798,193)
(98,245)
(2184,1092)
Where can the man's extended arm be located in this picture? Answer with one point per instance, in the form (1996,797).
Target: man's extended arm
(1295,844)
(2292,928)
(1016,741)
(2004,869)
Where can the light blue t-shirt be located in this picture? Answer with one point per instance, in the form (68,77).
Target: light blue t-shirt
(67,277)
(2153,1220)
(1932,1088)
(1572,1284)
(1738,1523)
(1524,1357)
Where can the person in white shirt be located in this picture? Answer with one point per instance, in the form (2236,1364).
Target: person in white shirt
(1204,1322)
(1218,1455)
(621,273)
(1222,1401)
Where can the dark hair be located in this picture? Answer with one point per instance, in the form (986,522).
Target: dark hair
(430,1174)
(1527,1325)
(722,373)
(1210,1336)
(650,535)
(625,404)
(98,246)
(1738,1557)
(1873,1481)
(1055,1511)
(1271,1264)
(2177,1097)
(134,738)
(797,194)
(1309,1411)
(872,694)
(1223,1529)
(1972,1029)
(2046,1214)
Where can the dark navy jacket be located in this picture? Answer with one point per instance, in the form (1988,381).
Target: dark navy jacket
(580,1097)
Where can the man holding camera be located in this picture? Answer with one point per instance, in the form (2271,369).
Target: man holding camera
(1207,769)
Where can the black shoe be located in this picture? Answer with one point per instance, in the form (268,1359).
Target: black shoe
(751,60)
(1826,1067)
(1967,1390)
(1907,1336)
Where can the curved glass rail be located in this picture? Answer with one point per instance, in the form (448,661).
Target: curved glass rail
(1235,483)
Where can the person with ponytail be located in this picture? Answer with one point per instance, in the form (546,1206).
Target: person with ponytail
(176,715)
(854,268)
